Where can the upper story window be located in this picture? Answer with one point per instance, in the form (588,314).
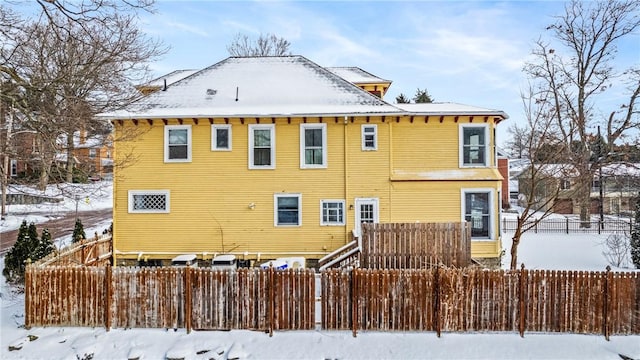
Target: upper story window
(288,209)
(313,146)
(369,137)
(148,201)
(177,143)
(92,153)
(332,212)
(262,146)
(474,142)
(221,137)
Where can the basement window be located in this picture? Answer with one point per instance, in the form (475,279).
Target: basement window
(148,201)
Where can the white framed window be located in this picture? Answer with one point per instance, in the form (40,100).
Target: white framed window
(369,137)
(287,209)
(221,137)
(14,168)
(479,210)
(149,201)
(177,143)
(92,153)
(332,212)
(262,146)
(313,146)
(474,145)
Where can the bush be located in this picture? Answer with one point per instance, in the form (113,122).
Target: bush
(78,232)
(28,248)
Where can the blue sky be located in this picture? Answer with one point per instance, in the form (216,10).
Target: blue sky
(466,52)
(470,52)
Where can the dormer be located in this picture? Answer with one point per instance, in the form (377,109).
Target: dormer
(365,80)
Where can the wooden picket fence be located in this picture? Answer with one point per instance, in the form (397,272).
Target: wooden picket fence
(170,297)
(90,252)
(415,245)
(472,299)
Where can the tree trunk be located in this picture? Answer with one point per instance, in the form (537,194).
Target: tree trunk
(70,159)
(515,241)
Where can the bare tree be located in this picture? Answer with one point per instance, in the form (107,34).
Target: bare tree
(264,45)
(578,71)
(516,144)
(541,185)
(75,60)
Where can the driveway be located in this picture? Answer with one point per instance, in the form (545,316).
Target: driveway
(59,227)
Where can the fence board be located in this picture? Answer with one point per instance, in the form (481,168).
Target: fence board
(415,245)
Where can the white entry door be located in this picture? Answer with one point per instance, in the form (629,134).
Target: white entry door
(366,212)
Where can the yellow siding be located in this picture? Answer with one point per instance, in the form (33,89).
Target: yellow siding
(210,196)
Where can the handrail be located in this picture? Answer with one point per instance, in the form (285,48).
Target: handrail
(334,253)
(339,259)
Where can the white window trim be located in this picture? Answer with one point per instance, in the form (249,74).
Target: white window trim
(272,129)
(344,213)
(275,209)
(214,136)
(375,137)
(131,193)
(376,213)
(303,164)
(166,142)
(461,145)
(13,168)
(492,210)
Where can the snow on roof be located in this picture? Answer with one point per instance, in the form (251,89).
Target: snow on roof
(171,77)
(621,169)
(259,86)
(449,108)
(356,75)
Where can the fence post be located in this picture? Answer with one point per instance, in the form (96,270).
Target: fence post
(271,299)
(567,222)
(535,228)
(605,302)
(521,298)
(108,273)
(436,300)
(354,303)
(28,296)
(187,298)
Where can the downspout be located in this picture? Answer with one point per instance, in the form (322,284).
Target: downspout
(390,169)
(346,181)
(114,193)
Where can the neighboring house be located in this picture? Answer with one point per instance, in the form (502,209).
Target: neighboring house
(267,157)
(93,154)
(621,184)
(23,151)
(553,187)
(503,169)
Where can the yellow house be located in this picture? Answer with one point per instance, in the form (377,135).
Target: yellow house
(268,157)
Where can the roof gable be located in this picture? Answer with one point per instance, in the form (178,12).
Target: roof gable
(259,86)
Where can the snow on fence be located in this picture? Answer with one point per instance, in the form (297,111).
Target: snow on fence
(415,245)
(91,252)
(568,226)
(473,299)
(438,299)
(170,297)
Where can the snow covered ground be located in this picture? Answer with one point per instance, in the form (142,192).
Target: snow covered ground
(537,251)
